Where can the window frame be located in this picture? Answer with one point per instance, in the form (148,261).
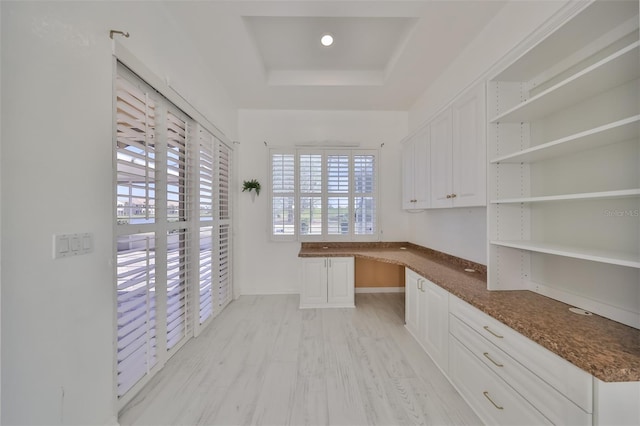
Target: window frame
(325,195)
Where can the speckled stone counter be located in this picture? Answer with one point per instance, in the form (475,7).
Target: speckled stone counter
(606,349)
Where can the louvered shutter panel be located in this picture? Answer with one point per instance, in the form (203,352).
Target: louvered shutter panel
(223,169)
(338,194)
(283,193)
(364,202)
(224,265)
(311,189)
(179,323)
(135,258)
(136,347)
(206,181)
(205,271)
(135,154)
(178,309)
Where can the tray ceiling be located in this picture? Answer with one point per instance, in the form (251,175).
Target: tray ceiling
(386,53)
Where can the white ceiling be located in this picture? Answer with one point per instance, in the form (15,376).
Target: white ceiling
(386,53)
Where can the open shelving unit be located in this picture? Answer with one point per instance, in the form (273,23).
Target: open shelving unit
(594,255)
(621,130)
(612,71)
(563,141)
(623,193)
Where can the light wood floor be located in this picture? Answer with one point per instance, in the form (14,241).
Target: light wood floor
(264,361)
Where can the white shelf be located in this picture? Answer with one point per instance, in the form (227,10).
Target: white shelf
(590,24)
(602,256)
(614,70)
(623,193)
(610,133)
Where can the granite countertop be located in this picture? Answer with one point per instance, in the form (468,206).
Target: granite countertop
(608,350)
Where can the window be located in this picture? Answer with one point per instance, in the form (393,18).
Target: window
(323,195)
(283,194)
(173,212)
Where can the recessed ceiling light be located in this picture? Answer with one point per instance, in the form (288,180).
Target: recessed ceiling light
(326,40)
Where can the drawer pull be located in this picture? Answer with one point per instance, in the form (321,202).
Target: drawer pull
(486,355)
(486,327)
(486,395)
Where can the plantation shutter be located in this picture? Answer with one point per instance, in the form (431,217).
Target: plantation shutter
(364,194)
(223,162)
(135,154)
(179,324)
(338,193)
(324,195)
(283,193)
(135,258)
(206,213)
(311,192)
(173,233)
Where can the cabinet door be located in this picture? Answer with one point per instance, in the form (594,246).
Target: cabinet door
(314,282)
(469,149)
(416,179)
(422,175)
(436,334)
(412,302)
(441,175)
(408,178)
(340,282)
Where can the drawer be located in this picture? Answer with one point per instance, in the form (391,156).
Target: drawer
(569,380)
(551,403)
(490,397)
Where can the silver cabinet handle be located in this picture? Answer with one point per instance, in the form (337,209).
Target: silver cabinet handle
(486,355)
(486,327)
(486,395)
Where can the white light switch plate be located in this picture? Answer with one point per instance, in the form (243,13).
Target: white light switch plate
(66,245)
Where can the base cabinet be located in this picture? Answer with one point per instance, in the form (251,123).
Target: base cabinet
(557,391)
(427,316)
(327,282)
(491,398)
(506,378)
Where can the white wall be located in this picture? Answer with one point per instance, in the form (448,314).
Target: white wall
(56,153)
(263,266)
(462,231)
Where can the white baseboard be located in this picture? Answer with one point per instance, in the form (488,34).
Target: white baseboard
(379,289)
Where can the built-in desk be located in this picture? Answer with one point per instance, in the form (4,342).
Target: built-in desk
(608,350)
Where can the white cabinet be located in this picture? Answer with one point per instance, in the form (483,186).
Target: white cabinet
(413,300)
(427,316)
(327,282)
(505,377)
(415,171)
(440,130)
(493,400)
(564,181)
(458,152)
(559,392)
(436,336)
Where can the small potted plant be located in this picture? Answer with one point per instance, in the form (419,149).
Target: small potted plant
(250,185)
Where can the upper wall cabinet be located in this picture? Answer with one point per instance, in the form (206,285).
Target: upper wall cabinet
(458,152)
(564,155)
(415,171)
